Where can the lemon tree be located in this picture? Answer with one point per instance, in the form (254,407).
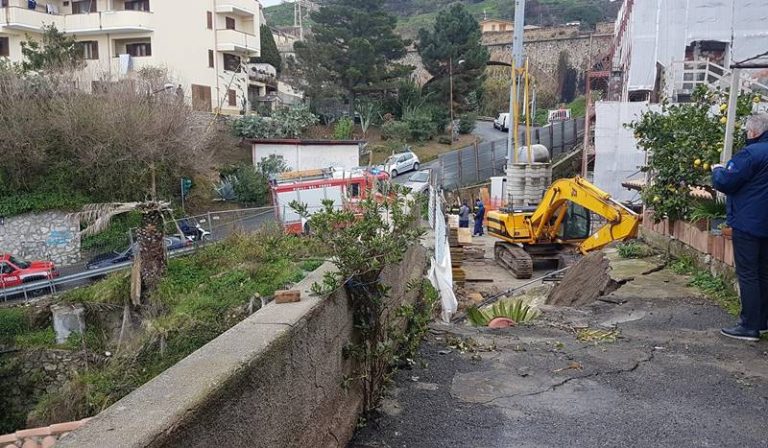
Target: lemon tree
(683,141)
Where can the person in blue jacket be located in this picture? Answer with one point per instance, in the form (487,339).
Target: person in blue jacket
(479,216)
(744,180)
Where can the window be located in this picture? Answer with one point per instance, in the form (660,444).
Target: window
(5,46)
(493,27)
(209,18)
(89,49)
(230,25)
(354,191)
(139,49)
(503,27)
(231,97)
(231,62)
(83,6)
(211,59)
(5,269)
(137,5)
(3,3)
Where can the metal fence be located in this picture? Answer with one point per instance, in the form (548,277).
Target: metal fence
(478,163)
(92,256)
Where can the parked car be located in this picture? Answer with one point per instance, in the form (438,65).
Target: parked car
(100,261)
(14,271)
(401,163)
(419,181)
(502,122)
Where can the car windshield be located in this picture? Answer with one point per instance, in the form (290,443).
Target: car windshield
(21,264)
(391,160)
(419,177)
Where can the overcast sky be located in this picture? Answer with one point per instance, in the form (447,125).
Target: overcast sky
(269,2)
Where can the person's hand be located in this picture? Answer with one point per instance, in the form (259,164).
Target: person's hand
(717,165)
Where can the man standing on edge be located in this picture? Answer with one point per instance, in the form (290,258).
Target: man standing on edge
(745,181)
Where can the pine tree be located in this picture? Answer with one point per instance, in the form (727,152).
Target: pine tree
(269,52)
(353,46)
(455,39)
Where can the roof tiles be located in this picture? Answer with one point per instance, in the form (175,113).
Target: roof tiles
(45,437)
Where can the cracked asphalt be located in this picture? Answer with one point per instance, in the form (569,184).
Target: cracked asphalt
(669,380)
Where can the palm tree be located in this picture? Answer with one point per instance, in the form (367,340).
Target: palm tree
(150,262)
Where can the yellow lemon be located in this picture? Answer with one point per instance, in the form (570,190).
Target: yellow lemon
(724,120)
(656,199)
(706,166)
(723,107)
(697,162)
(756,99)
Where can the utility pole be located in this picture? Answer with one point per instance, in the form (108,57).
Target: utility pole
(733,97)
(450,75)
(517,62)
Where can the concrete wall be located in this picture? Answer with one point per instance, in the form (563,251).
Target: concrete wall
(301,155)
(273,380)
(49,235)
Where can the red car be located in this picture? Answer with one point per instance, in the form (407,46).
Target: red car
(14,271)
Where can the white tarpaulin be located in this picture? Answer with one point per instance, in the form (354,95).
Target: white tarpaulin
(617,157)
(661,30)
(441,272)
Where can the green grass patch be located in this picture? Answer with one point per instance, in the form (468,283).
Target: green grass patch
(202,295)
(713,286)
(634,249)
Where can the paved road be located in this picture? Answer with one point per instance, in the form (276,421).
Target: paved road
(669,381)
(486,132)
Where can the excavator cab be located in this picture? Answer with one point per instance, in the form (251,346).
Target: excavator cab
(577,224)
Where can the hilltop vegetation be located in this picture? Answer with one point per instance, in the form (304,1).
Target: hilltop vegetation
(415,14)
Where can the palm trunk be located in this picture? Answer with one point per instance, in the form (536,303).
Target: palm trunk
(151,248)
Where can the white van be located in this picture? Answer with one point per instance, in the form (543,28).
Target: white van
(502,122)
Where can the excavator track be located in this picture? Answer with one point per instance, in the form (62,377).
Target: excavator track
(514,258)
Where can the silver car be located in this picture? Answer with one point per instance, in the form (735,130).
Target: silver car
(419,182)
(400,163)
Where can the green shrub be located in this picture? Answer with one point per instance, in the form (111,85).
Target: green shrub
(440,117)
(13,321)
(396,131)
(444,140)
(467,123)
(115,237)
(634,249)
(17,204)
(343,129)
(283,124)
(421,127)
(250,186)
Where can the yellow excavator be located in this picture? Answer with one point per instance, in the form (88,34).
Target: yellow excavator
(560,227)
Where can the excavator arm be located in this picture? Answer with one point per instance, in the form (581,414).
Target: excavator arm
(622,223)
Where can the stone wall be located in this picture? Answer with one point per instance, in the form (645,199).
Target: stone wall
(51,235)
(273,380)
(26,375)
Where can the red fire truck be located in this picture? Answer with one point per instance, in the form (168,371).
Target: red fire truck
(346,188)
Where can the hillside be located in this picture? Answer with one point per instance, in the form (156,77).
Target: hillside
(415,14)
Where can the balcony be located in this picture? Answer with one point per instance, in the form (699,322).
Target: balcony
(27,20)
(127,21)
(232,41)
(22,19)
(238,7)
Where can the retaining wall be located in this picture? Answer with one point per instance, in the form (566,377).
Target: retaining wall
(273,380)
(51,235)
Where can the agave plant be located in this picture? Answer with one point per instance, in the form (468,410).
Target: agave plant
(517,310)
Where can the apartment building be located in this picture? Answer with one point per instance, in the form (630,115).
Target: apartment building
(204,44)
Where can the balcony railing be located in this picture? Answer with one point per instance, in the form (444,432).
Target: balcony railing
(233,41)
(24,19)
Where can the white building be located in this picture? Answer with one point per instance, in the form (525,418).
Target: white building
(201,43)
(302,155)
(663,49)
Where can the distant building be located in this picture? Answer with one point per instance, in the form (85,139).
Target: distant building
(202,44)
(495,25)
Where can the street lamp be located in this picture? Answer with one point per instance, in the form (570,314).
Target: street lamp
(450,75)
